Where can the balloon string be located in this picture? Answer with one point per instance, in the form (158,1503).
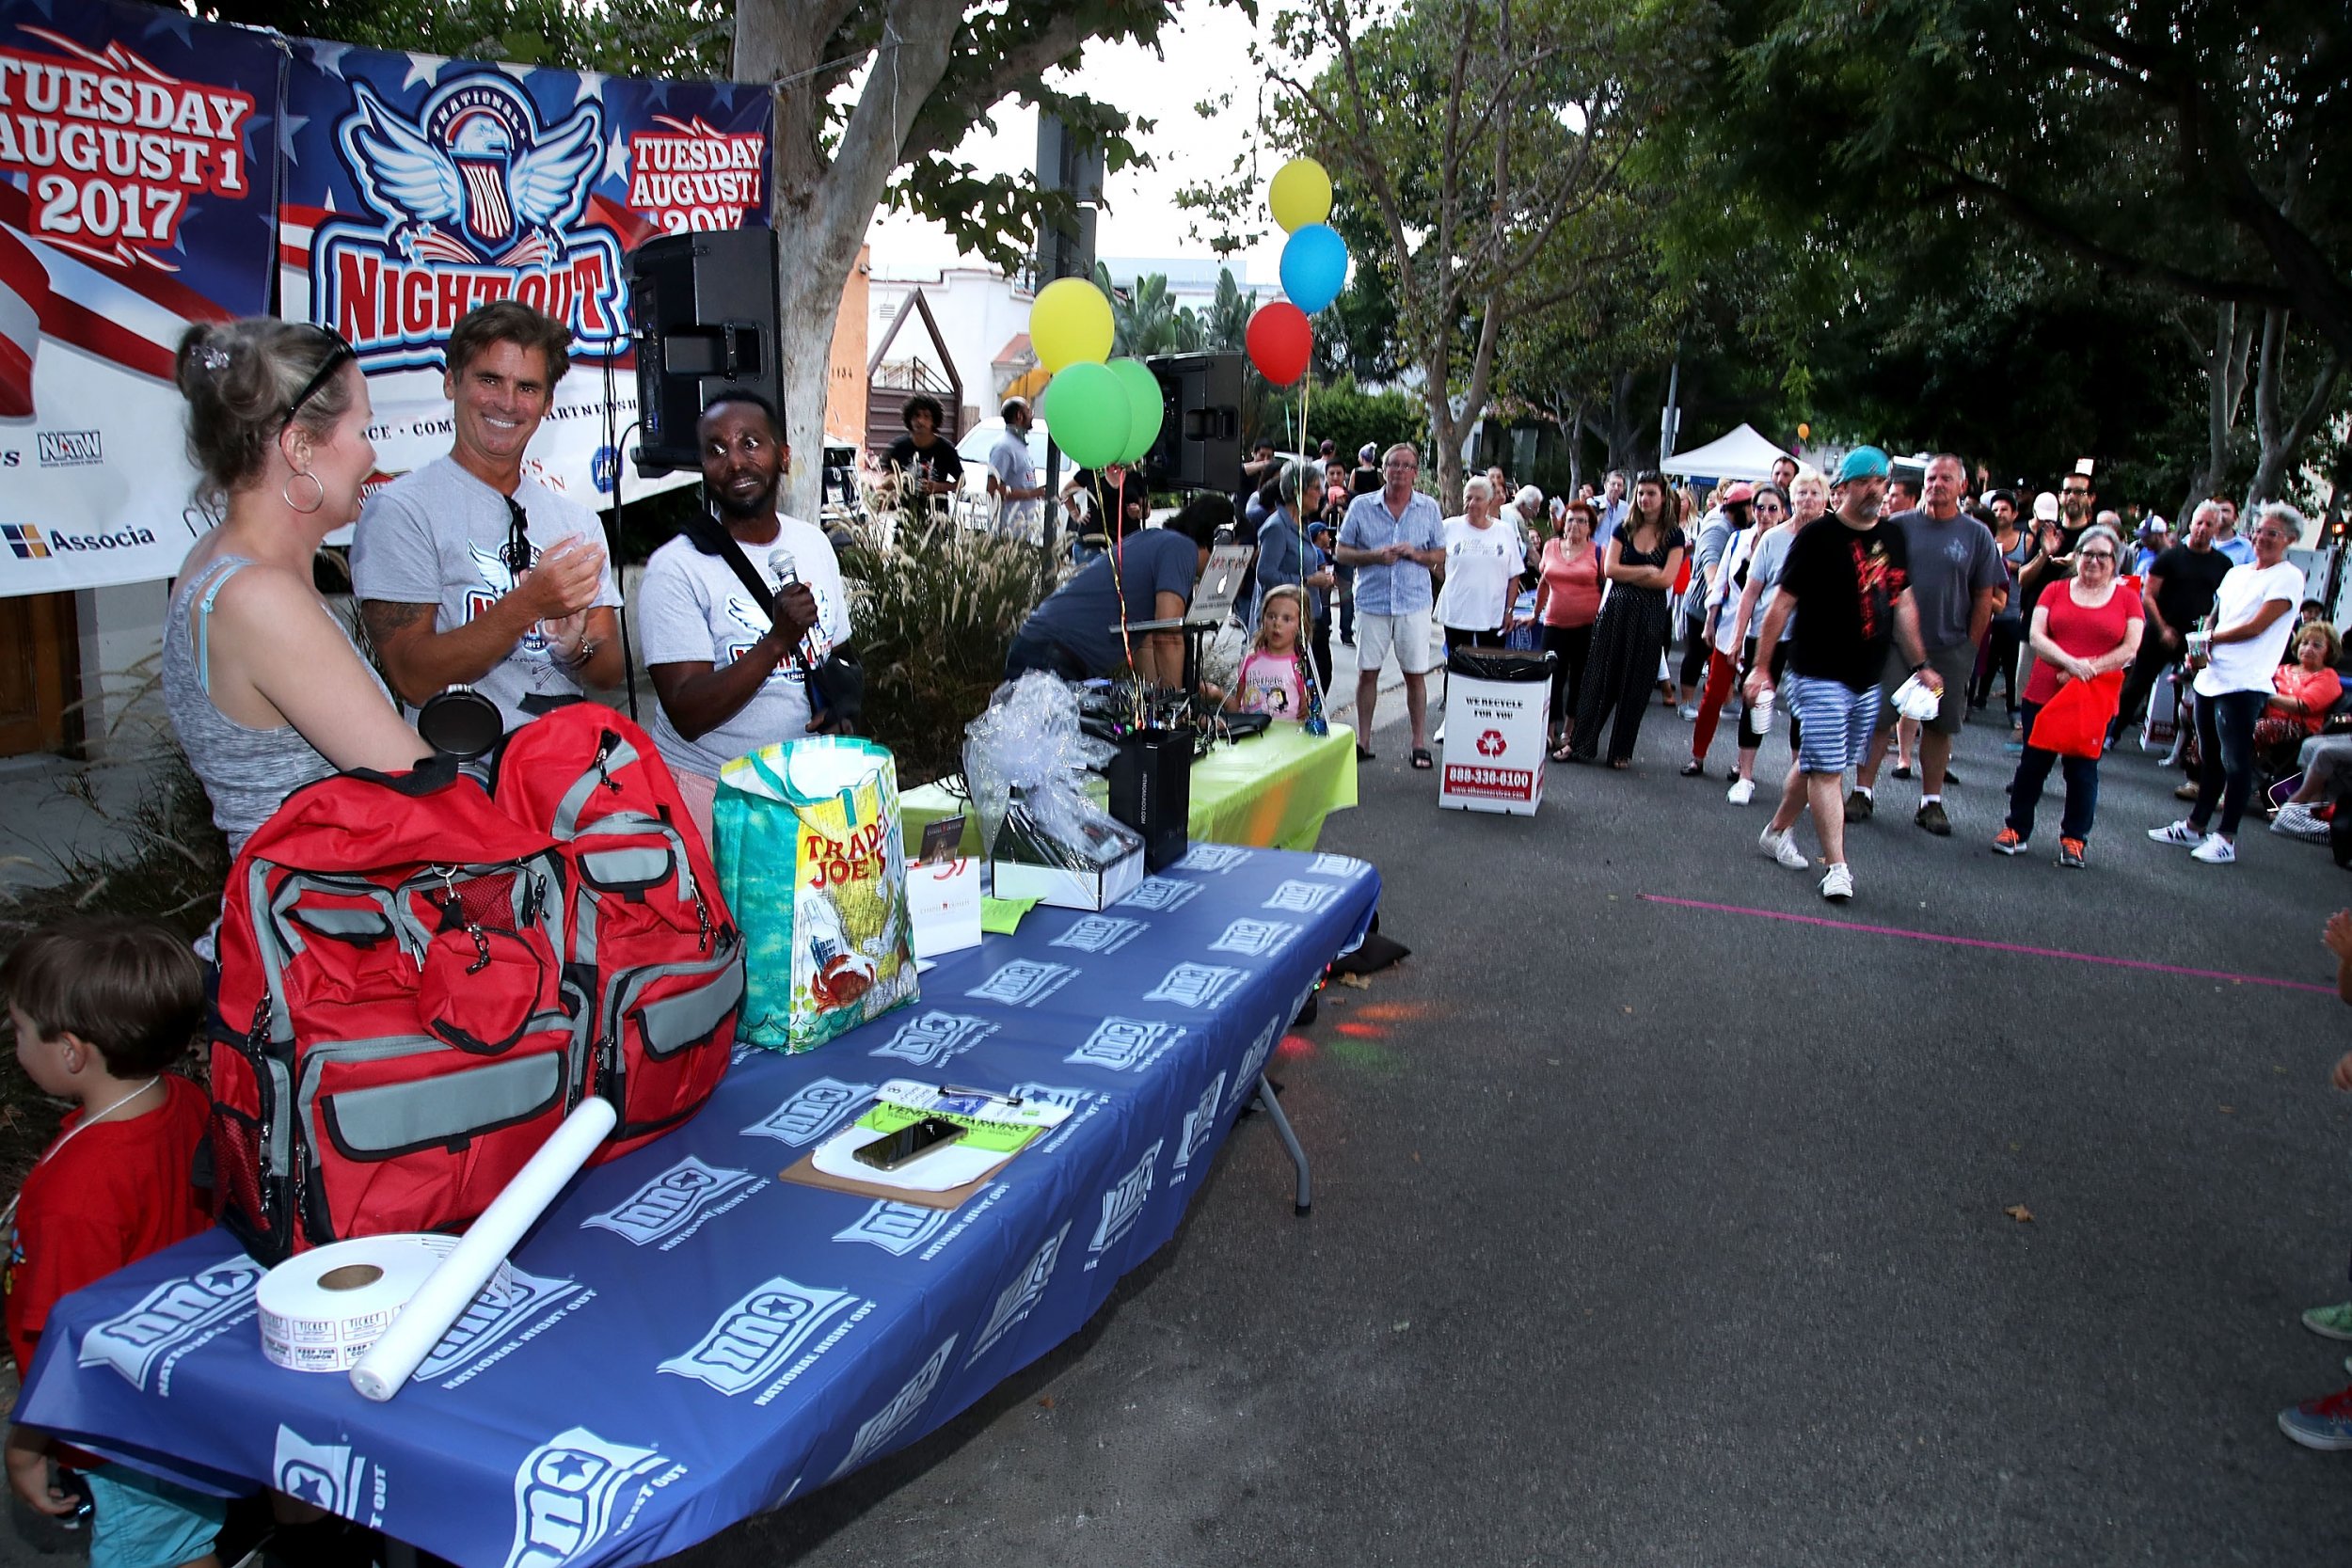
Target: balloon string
(1114,528)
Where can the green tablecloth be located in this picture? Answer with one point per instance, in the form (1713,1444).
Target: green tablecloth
(1274,789)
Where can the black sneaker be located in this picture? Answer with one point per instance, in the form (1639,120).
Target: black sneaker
(1858,807)
(1932,817)
(1902,770)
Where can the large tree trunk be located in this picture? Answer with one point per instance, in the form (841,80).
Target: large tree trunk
(2281,435)
(2224,361)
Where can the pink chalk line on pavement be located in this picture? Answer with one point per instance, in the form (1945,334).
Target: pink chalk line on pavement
(1994,946)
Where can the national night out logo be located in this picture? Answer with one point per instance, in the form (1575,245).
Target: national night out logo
(474,199)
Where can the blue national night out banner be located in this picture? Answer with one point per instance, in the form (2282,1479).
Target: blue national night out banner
(154,167)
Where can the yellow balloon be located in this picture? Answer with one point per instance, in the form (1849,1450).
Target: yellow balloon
(1301,194)
(1070,324)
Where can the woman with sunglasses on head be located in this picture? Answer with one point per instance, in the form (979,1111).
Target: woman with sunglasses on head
(265,686)
(2082,629)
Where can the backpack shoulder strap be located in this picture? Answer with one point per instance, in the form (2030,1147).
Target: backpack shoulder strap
(709,536)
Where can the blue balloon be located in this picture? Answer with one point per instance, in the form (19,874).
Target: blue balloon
(1315,266)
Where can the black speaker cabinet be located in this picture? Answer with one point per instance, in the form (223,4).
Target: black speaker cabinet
(1151,779)
(705,311)
(1199,444)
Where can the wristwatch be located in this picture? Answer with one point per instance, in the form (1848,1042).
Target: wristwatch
(588,646)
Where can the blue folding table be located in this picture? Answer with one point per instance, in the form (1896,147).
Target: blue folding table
(693,1341)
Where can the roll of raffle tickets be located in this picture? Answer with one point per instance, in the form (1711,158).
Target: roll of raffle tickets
(321,1311)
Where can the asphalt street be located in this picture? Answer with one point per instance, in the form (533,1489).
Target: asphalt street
(1655,1234)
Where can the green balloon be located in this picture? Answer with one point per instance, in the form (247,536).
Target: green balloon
(1087,414)
(1144,406)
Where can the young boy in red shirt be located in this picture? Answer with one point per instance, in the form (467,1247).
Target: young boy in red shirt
(101,1007)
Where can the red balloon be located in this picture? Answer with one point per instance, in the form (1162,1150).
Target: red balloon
(1280,340)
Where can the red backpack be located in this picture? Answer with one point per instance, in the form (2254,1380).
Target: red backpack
(653,946)
(394,1037)
(418,983)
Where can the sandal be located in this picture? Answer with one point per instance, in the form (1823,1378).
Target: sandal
(1563,753)
(1423,762)
(1363,753)
(1620,764)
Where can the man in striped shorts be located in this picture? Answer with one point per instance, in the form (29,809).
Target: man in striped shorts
(1850,574)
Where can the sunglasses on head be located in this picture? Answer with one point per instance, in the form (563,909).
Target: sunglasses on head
(339,352)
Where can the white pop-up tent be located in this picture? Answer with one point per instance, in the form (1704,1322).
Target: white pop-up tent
(1741,455)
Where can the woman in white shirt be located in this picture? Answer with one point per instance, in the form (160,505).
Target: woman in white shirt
(2253,615)
(1484,558)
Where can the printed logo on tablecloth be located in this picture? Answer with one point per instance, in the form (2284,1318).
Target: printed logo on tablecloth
(1334,865)
(1160,893)
(327,1475)
(568,1489)
(894,1418)
(1100,933)
(1246,1080)
(1125,1044)
(492,1327)
(1213,857)
(1123,1203)
(686,1194)
(930,1039)
(1302,897)
(172,1320)
(1017,1298)
(1255,937)
(811,1112)
(1192,985)
(898,1228)
(762,1334)
(1051,1094)
(1024,983)
(1198,1123)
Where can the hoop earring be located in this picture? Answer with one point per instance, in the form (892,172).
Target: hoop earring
(317,502)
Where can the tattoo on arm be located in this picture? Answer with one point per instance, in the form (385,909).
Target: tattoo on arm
(385,619)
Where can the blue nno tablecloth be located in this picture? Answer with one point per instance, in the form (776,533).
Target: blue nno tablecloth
(693,1341)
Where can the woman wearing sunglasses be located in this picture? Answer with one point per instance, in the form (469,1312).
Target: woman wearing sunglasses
(2082,629)
(264,684)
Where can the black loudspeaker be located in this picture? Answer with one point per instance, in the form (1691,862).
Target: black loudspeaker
(1151,779)
(1199,444)
(705,313)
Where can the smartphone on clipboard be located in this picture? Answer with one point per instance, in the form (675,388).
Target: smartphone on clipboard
(908,1143)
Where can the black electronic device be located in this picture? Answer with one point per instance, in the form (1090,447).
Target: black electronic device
(1150,791)
(1199,444)
(908,1144)
(704,311)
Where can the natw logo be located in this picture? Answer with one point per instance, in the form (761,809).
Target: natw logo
(1123,1203)
(568,1490)
(894,1418)
(1024,1294)
(1198,1123)
(679,1197)
(327,1475)
(490,1320)
(178,1314)
(811,1113)
(753,1339)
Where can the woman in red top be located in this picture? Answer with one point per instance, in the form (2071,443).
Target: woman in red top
(2082,629)
(2307,688)
(1567,602)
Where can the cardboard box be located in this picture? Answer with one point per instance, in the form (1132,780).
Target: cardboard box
(1090,877)
(944,906)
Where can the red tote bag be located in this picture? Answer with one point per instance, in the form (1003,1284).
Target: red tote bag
(2073,723)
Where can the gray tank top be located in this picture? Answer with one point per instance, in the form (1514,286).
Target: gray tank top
(247,774)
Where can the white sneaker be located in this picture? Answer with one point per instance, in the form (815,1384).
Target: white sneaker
(1741,792)
(2216,850)
(1837,885)
(1782,846)
(2177,833)
(2293,819)
(1689,713)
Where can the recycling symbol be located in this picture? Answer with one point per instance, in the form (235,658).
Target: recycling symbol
(1490,744)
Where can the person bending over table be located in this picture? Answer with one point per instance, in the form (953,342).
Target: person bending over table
(730,680)
(1149,575)
(468,573)
(265,688)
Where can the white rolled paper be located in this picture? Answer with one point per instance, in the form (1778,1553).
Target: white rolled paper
(445,1294)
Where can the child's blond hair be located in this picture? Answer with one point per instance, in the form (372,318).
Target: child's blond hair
(1287,591)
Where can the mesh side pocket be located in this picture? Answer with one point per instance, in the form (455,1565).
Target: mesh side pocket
(242,1195)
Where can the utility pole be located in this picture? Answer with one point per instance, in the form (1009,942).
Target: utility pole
(1069,166)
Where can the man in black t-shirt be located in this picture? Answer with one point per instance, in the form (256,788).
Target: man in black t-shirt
(931,464)
(2178,593)
(1848,581)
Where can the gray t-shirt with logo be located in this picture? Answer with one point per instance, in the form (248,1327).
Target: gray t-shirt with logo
(435,535)
(1950,561)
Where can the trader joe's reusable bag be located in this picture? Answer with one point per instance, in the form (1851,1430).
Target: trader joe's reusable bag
(810,862)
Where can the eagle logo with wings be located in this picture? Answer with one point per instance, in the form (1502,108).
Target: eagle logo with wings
(474,178)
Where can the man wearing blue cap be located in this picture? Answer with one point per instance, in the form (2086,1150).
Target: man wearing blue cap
(1848,581)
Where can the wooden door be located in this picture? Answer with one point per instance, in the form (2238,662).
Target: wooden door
(40,663)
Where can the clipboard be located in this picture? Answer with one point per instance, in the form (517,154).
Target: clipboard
(807,1174)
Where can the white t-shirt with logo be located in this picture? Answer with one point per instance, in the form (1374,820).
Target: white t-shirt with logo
(692,609)
(437,535)
(1482,569)
(2248,666)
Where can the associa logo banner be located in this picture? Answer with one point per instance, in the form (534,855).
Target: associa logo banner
(136,172)
(416,188)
